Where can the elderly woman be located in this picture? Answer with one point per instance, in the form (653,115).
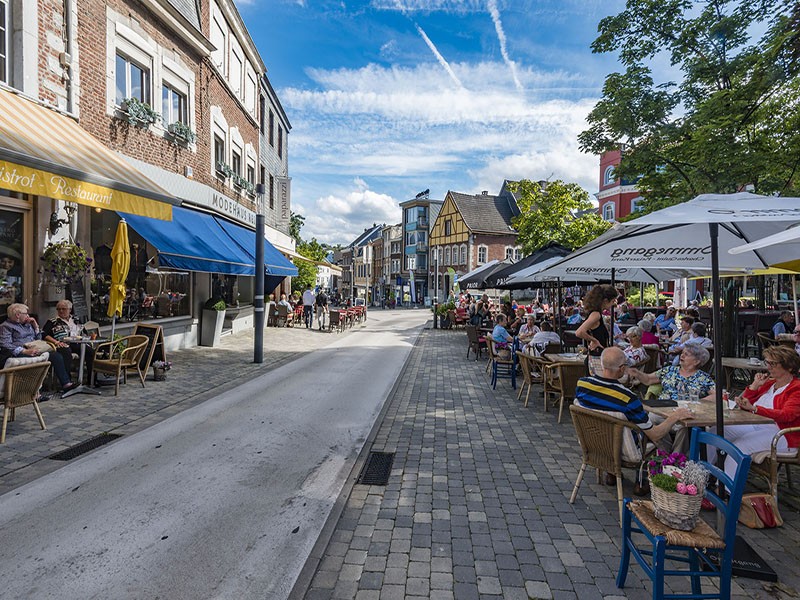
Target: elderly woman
(528,329)
(683,378)
(776,395)
(684,331)
(646,327)
(697,336)
(517,321)
(635,353)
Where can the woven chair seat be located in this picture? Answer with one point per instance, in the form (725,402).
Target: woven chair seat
(702,536)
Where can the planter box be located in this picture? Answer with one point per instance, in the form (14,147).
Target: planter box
(211,327)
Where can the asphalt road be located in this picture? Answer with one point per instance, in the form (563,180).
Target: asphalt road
(224,500)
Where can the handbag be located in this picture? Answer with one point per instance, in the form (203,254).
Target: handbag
(759,511)
(39,345)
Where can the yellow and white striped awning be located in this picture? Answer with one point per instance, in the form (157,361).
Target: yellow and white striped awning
(45,153)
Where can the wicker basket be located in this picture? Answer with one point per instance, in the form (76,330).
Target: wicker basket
(679,511)
(159,374)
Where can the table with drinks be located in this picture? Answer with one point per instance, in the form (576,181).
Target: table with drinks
(730,365)
(90,340)
(705,413)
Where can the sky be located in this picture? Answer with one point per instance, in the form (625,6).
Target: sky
(387,98)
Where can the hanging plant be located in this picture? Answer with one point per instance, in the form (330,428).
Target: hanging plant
(63,262)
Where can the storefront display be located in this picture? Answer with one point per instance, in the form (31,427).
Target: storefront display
(11,258)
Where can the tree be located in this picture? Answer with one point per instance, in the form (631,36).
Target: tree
(307,269)
(732,117)
(556,212)
(296,222)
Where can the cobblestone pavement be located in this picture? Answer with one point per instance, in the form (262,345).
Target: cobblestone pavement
(197,374)
(477,503)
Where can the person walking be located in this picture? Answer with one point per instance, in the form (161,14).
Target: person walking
(322,308)
(308,307)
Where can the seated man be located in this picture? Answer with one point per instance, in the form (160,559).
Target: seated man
(783,324)
(607,394)
(19,329)
(575,318)
(284,302)
(698,337)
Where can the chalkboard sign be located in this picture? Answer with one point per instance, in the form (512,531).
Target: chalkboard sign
(77,293)
(155,344)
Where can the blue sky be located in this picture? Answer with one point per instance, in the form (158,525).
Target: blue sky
(391,97)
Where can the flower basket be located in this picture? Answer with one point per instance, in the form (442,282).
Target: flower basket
(159,374)
(679,511)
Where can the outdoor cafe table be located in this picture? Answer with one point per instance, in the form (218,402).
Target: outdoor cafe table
(566,357)
(80,388)
(705,415)
(730,364)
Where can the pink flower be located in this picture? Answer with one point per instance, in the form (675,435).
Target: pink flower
(691,489)
(680,488)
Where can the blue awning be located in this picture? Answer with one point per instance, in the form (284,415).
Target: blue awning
(275,263)
(196,241)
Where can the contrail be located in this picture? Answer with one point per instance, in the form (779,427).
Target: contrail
(501,36)
(439,56)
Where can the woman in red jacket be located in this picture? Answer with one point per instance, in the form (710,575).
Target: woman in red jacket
(775,395)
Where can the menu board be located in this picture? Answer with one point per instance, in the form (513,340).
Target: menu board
(155,344)
(77,294)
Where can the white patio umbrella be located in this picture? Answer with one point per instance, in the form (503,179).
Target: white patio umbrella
(695,236)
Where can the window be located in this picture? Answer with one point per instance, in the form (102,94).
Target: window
(421,236)
(483,251)
(271,192)
(411,262)
(262,107)
(250,92)
(271,128)
(218,41)
(635,202)
(173,106)
(251,174)
(395,265)
(4,41)
(448,227)
(236,73)
(133,80)
(447,255)
(608,176)
(236,163)
(422,261)
(517,254)
(608,211)
(280,141)
(219,152)
(441,255)
(463,260)
(509,252)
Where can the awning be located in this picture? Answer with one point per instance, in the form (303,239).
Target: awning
(45,153)
(275,263)
(197,241)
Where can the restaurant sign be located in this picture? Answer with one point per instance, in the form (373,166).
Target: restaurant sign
(284,212)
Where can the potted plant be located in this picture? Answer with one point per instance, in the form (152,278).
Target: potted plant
(139,113)
(62,263)
(213,318)
(443,312)
(181,132)
(160,368)
(677,487)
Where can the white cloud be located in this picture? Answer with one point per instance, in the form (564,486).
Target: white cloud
(501,37)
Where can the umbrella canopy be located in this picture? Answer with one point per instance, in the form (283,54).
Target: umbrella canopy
(477,279)
(500,278)
(120,264)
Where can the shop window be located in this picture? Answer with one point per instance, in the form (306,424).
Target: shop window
(133,80)
(11,253)
(173,106)
(152,292)
(225,287)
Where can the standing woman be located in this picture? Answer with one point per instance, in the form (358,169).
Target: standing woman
(593,331)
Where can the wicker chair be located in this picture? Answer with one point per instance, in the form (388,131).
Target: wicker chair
(476,343)
(336,320)
(20,388)
(528,377)
(562,379)
(284,316)
(118,364)
(772,461)
(601,437)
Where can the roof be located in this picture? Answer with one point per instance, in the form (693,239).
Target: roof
(189,10)
(369,234)
(485,213)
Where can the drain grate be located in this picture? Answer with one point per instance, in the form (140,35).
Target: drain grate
(377,469)
(85,447)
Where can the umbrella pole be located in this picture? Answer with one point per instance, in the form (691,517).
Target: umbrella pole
(794,300)
(557,311)
(613,309)
(113,325)
(713,230)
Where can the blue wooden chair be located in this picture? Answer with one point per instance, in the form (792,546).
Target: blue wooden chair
(691,547)
(502,367)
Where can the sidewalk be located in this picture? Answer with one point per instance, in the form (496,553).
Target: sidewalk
(477,502)
(197,374)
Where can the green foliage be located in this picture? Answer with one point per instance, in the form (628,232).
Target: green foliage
(296,223)
(217,304)
(665,482)
(730,119)
(650,296)
(307,271)
(63,262)
(555,212)
(140,113)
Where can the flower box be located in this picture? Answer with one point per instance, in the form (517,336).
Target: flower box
(139,113)
(181,132)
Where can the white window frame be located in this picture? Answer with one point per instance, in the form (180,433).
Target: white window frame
(237,67)
(447,256)
(609,211)
(608,175)
(137,49)
(411,262)
(5,41)
(463,260)
(250,87)
(483,250)
(509,252)
(219,27)
(635,202)
(517,253)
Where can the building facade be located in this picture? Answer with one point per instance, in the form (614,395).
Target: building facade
(616,198)
(157,111)
(418,215)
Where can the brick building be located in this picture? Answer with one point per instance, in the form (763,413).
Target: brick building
(158,110)
(616,198)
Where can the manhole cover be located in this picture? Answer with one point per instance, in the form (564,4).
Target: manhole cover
(85,447)
(377,469)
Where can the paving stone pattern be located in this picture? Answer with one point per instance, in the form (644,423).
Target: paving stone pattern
(477,503)
(197,374)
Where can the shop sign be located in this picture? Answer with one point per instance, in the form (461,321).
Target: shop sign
(233,209)
(284,215)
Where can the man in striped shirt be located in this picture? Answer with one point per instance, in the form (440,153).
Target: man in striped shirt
(607,394)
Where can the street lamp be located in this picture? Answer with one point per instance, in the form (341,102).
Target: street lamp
(258,297)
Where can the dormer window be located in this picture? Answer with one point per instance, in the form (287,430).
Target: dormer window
(609,176)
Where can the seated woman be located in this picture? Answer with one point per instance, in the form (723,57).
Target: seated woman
(635,353)
(502,339)
(648,337)
(684,330)
(517,322)
(528,329)
(776,395)
(684,378)
(624,313)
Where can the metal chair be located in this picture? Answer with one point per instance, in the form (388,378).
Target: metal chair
(20,388)
(118,357)
(689,547)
